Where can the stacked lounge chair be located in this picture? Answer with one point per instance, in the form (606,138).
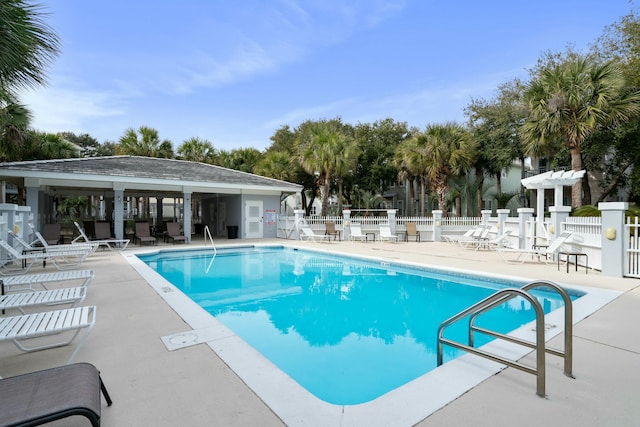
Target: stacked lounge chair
(52,394)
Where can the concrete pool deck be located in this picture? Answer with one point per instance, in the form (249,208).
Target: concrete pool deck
(193,386)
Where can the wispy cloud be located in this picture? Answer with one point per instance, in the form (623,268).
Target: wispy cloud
(284,34)
(62,109)
(299,115)
(433,104)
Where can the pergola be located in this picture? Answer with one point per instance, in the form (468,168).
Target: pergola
(551,180)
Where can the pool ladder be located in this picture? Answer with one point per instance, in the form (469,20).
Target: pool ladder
(499,298)
(207,233)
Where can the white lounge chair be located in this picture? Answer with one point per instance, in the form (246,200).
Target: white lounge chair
(25,328)
(385,234)
(308,234)
(22,300)
(547,252)
(43,280)
(44,246)
(89,247)
(13,261)
(471,236)
(500,241)
(101,239)
(355,233)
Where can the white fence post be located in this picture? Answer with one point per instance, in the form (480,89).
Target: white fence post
(503,214)
(437,225)
(524,216)
(614,238)
(346,225)
(486,216)
(299,214)
(391,215)
(559,214)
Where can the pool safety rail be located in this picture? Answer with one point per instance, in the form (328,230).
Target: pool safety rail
(500,297)
(207,234)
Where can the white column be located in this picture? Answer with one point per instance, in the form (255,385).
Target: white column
(118,218)
(391,216)
(346,225)
(524,216)
(437,225)
(186,226)
(615,239)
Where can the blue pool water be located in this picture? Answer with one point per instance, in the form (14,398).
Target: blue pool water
(348,330)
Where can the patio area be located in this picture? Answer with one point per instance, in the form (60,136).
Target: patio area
(193,386)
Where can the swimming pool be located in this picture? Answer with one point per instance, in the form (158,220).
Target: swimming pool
(348,330)
(403,406)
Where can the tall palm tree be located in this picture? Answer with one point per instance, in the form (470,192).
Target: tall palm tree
(568,101)
(345,161)
(27,46)
(449,150)
(319,145)
(406,171)
(144,142)
(196,150)
(416,162)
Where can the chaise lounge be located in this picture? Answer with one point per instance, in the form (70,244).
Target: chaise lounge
(25,328)
(52,233)
(309,234)
(14,261)
(52,394)
(173,233)
(27,281)
(143,234)
(102,237)
(547,252)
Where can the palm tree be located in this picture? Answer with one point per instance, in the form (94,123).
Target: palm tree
(196,150)
(345,161)
(416,161)
(568,101)
(14,122)
(319,145)
(449,150)
(147,143)
(42,146)
(276,164)
(241,159)
(406,171)
(27,46)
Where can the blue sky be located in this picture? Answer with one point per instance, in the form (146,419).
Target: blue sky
(233,72)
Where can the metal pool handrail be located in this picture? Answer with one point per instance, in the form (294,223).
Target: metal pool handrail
(207,233)
(567,355)
(538,371)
